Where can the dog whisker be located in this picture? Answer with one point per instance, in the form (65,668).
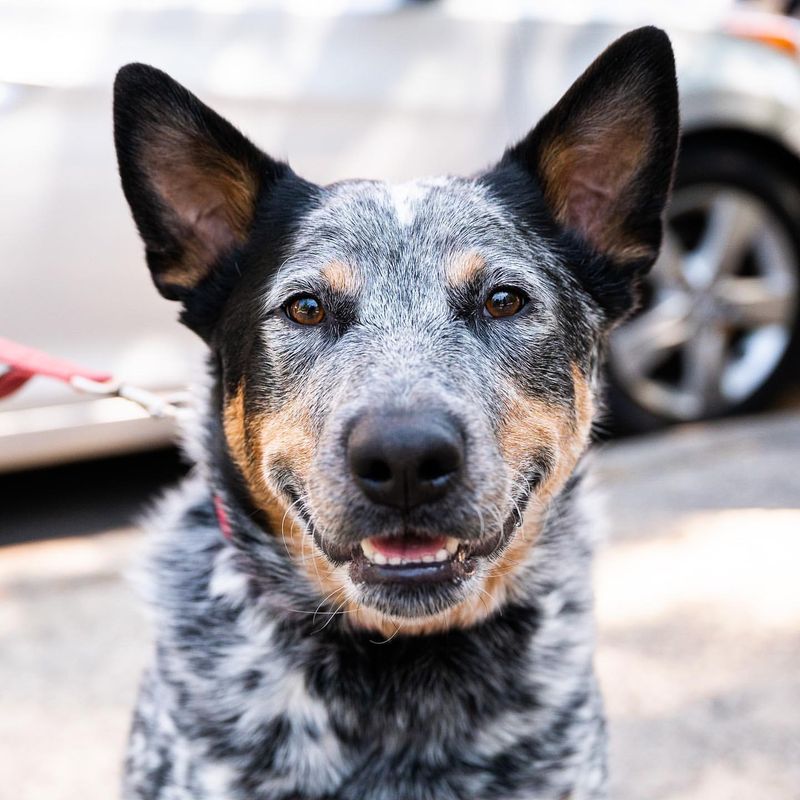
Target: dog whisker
(335,613)
(389,638)
(283,525)
(324,600)
(491,599)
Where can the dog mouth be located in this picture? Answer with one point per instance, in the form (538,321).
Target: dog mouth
(415,573)
(415,558)
(406,570)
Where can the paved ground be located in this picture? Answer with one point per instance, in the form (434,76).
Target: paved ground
(698,602)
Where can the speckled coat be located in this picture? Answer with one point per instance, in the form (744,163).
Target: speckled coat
(283,669)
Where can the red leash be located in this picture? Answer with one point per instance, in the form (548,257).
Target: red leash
(25,363)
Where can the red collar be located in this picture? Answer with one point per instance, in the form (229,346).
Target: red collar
(222,518)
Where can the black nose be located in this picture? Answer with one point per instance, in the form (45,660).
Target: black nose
(402,459)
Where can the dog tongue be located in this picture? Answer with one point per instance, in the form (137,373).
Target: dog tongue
(410,547)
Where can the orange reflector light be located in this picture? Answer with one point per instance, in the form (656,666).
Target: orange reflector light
(779,33)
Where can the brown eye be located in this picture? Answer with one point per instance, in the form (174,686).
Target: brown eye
(504,302)
(306,310)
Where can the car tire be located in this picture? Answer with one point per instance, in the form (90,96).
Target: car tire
(734,335)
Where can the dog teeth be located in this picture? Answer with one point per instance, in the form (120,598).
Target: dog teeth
(371,553)
(443,554)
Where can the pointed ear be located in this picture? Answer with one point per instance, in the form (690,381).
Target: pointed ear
(191,179)
(604,155)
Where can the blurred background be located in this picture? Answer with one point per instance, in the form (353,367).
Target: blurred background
(698,594)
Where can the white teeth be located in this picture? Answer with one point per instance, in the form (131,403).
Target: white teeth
(443,554)
(369,551)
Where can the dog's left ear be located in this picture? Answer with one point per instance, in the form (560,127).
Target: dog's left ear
(604,155)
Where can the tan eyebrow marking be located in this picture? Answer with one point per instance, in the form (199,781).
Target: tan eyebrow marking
(463,268)
(341,276)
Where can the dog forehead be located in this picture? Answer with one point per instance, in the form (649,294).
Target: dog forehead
(449,204)
(376,235)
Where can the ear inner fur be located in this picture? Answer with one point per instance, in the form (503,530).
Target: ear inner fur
(587,180)
(211,198)
(604,155)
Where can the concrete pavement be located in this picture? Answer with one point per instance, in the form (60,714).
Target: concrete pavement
(698,598)
(698,605)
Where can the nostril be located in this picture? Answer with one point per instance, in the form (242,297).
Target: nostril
(437,467)
(374,469)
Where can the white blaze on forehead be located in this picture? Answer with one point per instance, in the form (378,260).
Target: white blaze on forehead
(406,198)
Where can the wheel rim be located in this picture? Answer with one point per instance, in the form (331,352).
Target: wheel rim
(719,309)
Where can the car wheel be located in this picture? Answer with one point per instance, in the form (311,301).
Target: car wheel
(719,324)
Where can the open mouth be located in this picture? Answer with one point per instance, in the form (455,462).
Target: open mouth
(401,551)
(415,571)
(412,558)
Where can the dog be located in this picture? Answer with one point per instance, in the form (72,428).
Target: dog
(375,584)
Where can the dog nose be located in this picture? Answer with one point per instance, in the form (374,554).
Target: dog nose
(403,460)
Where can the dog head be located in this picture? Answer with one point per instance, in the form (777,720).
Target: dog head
(407,374)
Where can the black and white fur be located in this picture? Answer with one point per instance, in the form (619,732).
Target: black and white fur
(266,686)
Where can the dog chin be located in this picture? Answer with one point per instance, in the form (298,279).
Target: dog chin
(407,602)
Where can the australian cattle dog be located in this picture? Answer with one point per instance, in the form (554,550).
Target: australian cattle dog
(375,585)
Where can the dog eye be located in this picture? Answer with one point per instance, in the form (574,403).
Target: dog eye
(305,309)
(504,301)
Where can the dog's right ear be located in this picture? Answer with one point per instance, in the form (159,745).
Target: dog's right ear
(191,179)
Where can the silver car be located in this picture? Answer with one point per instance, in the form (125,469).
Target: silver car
(391,90)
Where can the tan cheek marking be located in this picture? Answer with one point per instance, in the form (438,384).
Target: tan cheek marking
(584,405)
(565,431)
(497,583)
(233,423)
(284,436)
(341,276)
(463,268)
